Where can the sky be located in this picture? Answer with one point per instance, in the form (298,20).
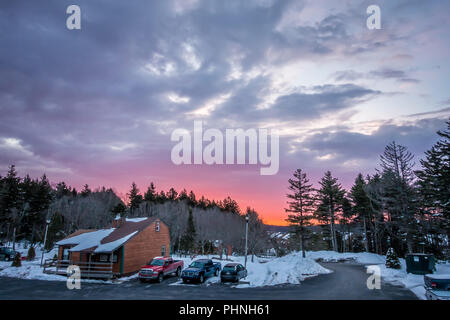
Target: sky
(99,105)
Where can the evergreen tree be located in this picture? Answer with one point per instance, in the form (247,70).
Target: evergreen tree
(392,260)
(31,254)
(300,206)
(172,194)
(230,205)
(16,262)
(86,191)
(434,192)
(183,195)
(189,238)
(400,197)
(55,230)
(150,194)
(330,197)
(119,210)
(134,198)
(361,206)
(192,200)
(9,195)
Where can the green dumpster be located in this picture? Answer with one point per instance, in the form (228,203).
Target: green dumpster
(420,263)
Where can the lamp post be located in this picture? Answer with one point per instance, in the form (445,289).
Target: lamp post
(47,222)
(246,239)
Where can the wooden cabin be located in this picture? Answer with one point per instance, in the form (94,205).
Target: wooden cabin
(120,250)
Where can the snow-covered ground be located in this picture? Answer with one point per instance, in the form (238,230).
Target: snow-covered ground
(412,282)
(32,269)
(290,269)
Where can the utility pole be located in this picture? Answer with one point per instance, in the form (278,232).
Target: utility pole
(246,239)
(47,222)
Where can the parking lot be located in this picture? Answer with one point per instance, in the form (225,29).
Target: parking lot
(347,282)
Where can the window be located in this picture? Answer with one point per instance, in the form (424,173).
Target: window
(65,254)
(157,226)
(107,258)
(163,251)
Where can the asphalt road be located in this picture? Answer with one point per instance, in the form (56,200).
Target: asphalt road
(347,282)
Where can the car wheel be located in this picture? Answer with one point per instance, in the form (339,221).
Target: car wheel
(160,278)
(178,272)
(201,278)
(142,280)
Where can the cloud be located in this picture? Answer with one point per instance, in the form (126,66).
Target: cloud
(383,74)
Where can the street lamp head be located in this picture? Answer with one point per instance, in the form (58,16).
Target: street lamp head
(48,221)
(247,217)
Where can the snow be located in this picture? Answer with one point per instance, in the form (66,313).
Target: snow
(111,246)
(86,240)
(290,269)
(410,281)
(32,270)
(135,219)
(360,257)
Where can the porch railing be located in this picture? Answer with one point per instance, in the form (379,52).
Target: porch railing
(93,270)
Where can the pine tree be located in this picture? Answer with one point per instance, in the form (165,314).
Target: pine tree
(190,236)
(86,191)
(119,210)
(330,197)
(300,206)
(150,194)
(9,196)
(55,230)
(361,206)
(392,260)
(16,262)
(434,191)
(31,254)
(400,196)
(172,194)
(134,198)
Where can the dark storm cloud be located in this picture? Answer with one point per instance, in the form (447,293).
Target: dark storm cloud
(75,98)
(346,145)
(304,105)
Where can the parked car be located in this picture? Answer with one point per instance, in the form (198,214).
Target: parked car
(201,269)
(437,287)
(160,267)
(233,272)
(7,253)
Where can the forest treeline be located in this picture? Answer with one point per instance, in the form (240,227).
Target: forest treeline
(196,223)
(402,206)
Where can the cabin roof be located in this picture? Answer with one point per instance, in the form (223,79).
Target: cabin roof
(106,240)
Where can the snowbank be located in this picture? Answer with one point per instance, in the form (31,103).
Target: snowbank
(290,269)
(360,257)
(410,281)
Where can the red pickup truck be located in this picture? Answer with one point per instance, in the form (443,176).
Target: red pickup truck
(160,267)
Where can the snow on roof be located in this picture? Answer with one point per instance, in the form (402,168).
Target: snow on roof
(135,219)
(111,246)
(107,240)
(86,240)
